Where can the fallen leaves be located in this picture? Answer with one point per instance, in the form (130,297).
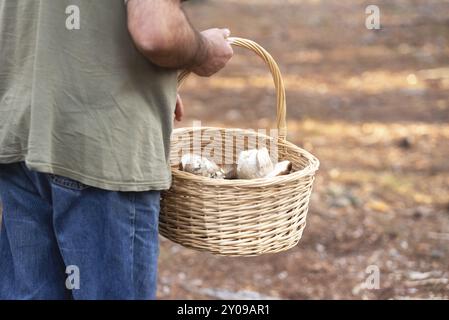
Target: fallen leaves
(378,206)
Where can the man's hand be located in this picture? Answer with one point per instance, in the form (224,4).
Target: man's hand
(161,32)
(218,52)
(179,111)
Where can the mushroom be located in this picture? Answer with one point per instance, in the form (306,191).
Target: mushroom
(253,164)
(230,171)
(280,169)
(200,166)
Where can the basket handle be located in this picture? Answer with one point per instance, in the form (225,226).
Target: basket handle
(275,72)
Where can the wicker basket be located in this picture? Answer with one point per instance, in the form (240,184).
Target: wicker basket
(238,217)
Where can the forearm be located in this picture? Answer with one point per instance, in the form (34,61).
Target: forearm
(162,32)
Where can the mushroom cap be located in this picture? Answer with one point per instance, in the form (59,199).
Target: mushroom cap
(254,163)
(201,166)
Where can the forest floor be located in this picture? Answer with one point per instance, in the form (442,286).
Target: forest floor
(373,106)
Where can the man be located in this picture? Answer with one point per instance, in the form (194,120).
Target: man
(87,96)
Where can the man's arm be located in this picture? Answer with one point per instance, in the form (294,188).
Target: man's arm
(162,32)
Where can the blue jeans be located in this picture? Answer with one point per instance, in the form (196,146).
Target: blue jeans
(61,239)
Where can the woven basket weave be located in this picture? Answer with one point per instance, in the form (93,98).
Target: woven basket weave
(238,217)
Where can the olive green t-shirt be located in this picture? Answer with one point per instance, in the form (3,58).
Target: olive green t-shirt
(82,103)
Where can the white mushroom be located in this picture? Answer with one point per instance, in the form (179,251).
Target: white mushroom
(253,164)
(200,166)
(280,169)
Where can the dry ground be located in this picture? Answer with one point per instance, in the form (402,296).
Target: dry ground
(373,106)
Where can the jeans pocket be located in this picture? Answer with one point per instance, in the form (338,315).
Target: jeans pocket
(67,182)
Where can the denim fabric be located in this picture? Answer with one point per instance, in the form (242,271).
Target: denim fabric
(53,224)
